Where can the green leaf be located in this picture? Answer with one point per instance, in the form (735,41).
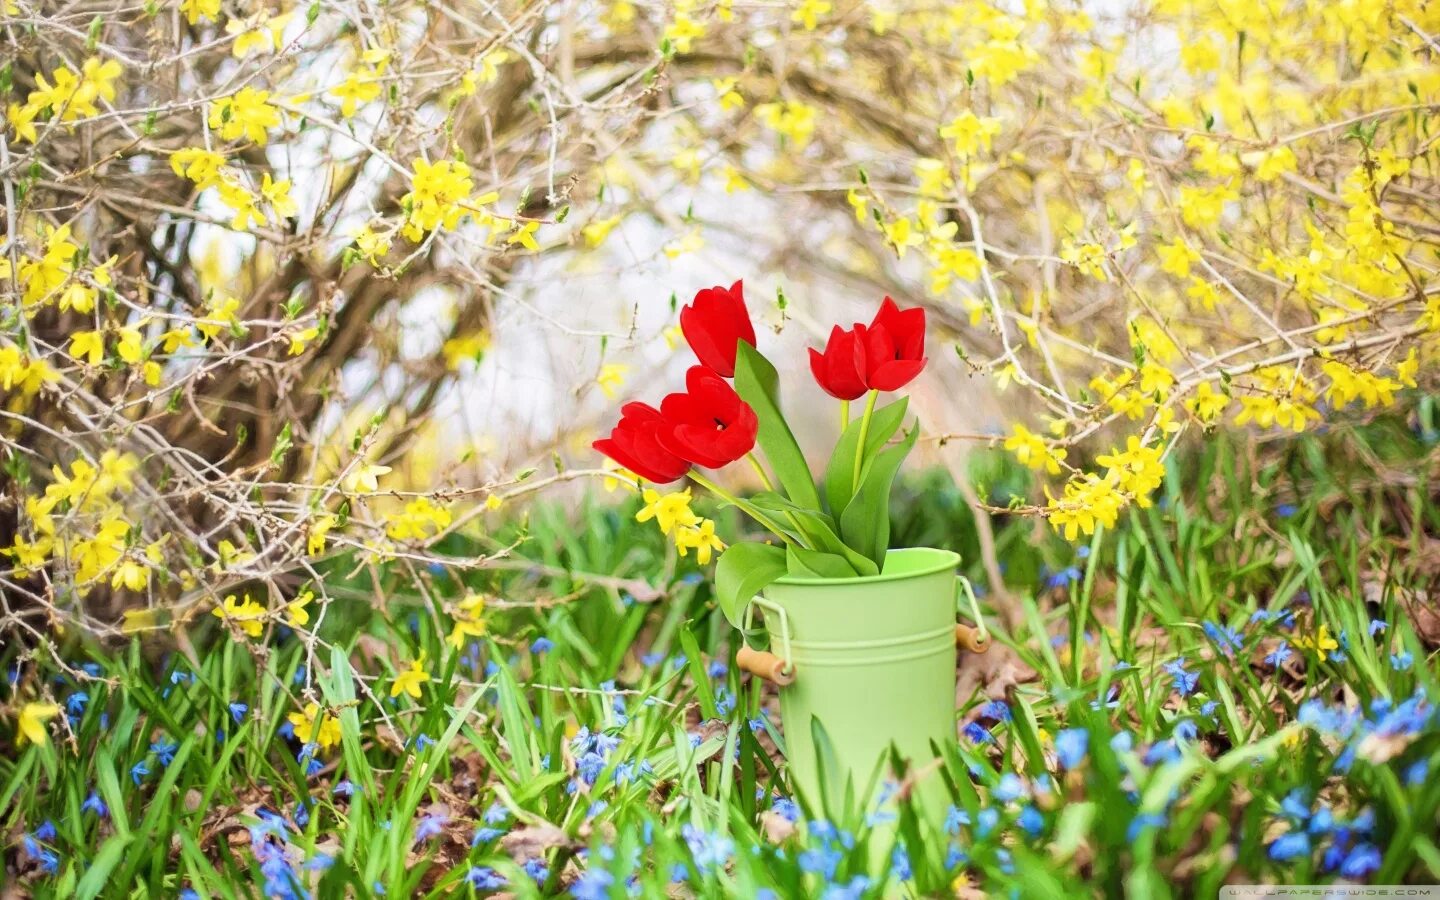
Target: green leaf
(865,524)
(742,572)
(817,564)
(97,876)
(839,484)
(813,528)
(758,385)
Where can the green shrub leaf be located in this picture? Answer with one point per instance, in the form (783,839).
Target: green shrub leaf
(884,422)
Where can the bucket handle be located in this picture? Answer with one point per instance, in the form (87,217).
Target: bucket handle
(977,639)
(779,670)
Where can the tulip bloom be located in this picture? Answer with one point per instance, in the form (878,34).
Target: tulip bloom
(894,346)
(714,323)
(840,370)
(635,444)
(709,424)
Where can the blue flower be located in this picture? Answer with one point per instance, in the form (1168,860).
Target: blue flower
(1010,788)
(710,851)
(900,868)
(1226,639)
(589,766)
(954,818)
(539,647)
(786,809)
(976,733)
(717,669)
(428,826)
(1416,772)
(821,861)
(46,831)
(1296,805)
(1185,730)
(1290,845)
(1378,626)
(238,711)
(485,835)
(94,804)
(1402,661)
(423,740)
(1361,862)
(319,862)
(139,771)
(1071,745)
(1185,682)
(536,869)
(1278,656)
(593,884)
(998,710)
(164,751)
(484,878)
(344,788)
(854,890)
(1285,510)
(75,703)
(1142,822)
(989,818)
(1031,820)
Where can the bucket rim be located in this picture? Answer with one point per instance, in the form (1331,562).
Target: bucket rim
(944,560)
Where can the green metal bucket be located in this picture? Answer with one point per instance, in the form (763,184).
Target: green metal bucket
(874,664)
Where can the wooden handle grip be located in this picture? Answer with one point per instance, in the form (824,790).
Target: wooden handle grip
(764,665)
(971,639)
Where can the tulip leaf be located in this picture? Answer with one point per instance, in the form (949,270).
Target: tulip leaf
(813,528)
(865,524)
(839,484)
(743,571)
(758,385)
(817,564)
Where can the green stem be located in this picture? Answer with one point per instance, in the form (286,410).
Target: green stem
(760,470)
(864,433)
(747,508)
(844,415)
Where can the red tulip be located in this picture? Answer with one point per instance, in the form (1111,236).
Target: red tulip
(709,424)
(894,346)
(840,370)
(714,323)
(635,444)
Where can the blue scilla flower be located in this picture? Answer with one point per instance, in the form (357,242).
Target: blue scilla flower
(988,819)
(164,751)
(1278,656)
(1226,639)
(717,669)
(75,703)
(852,890)
(319,862)
(1031,820)
(1322,821)
(1161,752)
(1185,681)
(1290,845)
(593,884)
(536,869)
(1296,805)
(996,710)
(954,818)
(786,809)
(1402,661)
(1416,773)
(821,861)
(238,711)
(900,868)
(486,835)
(1122,742)
(1142,822)
(724,702)
(651,659)
(1186,730)
(139,771)
(423,740)
(484,878)
(1071,745)
(93,804)
(710,851)
(429,826)
(955,857)
(589,766)
(541,645)
(46,831)
(1361,862)
(976,733)
(1010,788)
